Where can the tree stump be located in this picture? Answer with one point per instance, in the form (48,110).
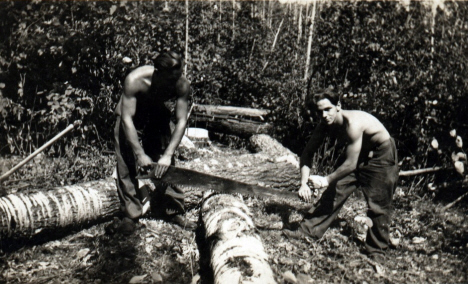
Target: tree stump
(237,253)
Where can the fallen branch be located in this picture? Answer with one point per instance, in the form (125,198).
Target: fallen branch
(420,171)
(455,201)
(50,142)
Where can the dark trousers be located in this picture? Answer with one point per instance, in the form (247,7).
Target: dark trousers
(377,176)
(166,200)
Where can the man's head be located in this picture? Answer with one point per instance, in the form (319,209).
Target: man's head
(169,64)
(325,103)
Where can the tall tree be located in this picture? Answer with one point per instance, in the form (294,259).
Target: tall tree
(309,44)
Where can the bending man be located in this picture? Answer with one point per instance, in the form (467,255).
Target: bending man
(370,162)
(143,116)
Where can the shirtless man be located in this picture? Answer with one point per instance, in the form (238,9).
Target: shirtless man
(141,114)
(370,162)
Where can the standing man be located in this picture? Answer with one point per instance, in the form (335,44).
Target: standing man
(142,135)
(370,162)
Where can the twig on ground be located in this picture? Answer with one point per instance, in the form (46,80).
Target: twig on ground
(455,201)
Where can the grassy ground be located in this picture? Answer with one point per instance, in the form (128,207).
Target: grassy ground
(430,245)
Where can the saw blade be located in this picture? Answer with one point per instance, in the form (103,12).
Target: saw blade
(202,181)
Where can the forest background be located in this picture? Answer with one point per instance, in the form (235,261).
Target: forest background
(404,62)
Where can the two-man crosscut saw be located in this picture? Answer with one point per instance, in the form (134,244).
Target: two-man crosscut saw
(189,178)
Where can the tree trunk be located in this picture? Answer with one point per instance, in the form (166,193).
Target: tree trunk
(233,19)
(270,146)
(236,251)
(232,120)
(299,25)
(24,216)
(186,35)
(309,44)
(230,110)
(237,127)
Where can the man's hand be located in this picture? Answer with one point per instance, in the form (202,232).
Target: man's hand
(162,166)
(305,193)
(318,181)
(144,163)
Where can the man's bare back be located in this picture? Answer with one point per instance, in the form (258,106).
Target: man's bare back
(139,82)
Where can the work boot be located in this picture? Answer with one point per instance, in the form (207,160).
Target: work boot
(112,227)
(125,226)
(294,234)
(378,258)
(183,222)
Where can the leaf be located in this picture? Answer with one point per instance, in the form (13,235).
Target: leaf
(459,167)
(137,279)
(364,220)
(289,277)
(82,253)
(459,142)
(112,9)
(418,240)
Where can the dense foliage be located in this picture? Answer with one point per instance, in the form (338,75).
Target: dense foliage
(61,61)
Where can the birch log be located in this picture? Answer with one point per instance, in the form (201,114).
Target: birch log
(27,215)
(237,253)
(239,121)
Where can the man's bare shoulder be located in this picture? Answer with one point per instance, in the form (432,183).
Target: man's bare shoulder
(183,86)
(139,80)
(368,124)
(359,117)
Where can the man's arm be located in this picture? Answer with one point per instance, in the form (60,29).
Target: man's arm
(306,161)
(311,148)
(181,112)
(128,109)
(353,149)
(181,117)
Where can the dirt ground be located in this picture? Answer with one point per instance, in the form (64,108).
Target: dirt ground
(430,245)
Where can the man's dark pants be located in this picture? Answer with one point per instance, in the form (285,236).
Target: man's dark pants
(155,138)
(377,176)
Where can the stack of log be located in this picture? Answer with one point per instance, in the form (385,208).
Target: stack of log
(237,252)
(238,121)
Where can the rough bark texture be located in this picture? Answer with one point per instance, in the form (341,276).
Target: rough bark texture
(26,215)
(234,126)
(271,147)
(229,110)
(237,252)
(232,120)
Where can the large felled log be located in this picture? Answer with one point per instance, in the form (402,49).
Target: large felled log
(232,120)
(270,146)
(239,127)
(229,111)
(26,215)
(237,252)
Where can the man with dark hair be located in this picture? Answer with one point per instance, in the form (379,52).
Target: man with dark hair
(370,162)
(142,134)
